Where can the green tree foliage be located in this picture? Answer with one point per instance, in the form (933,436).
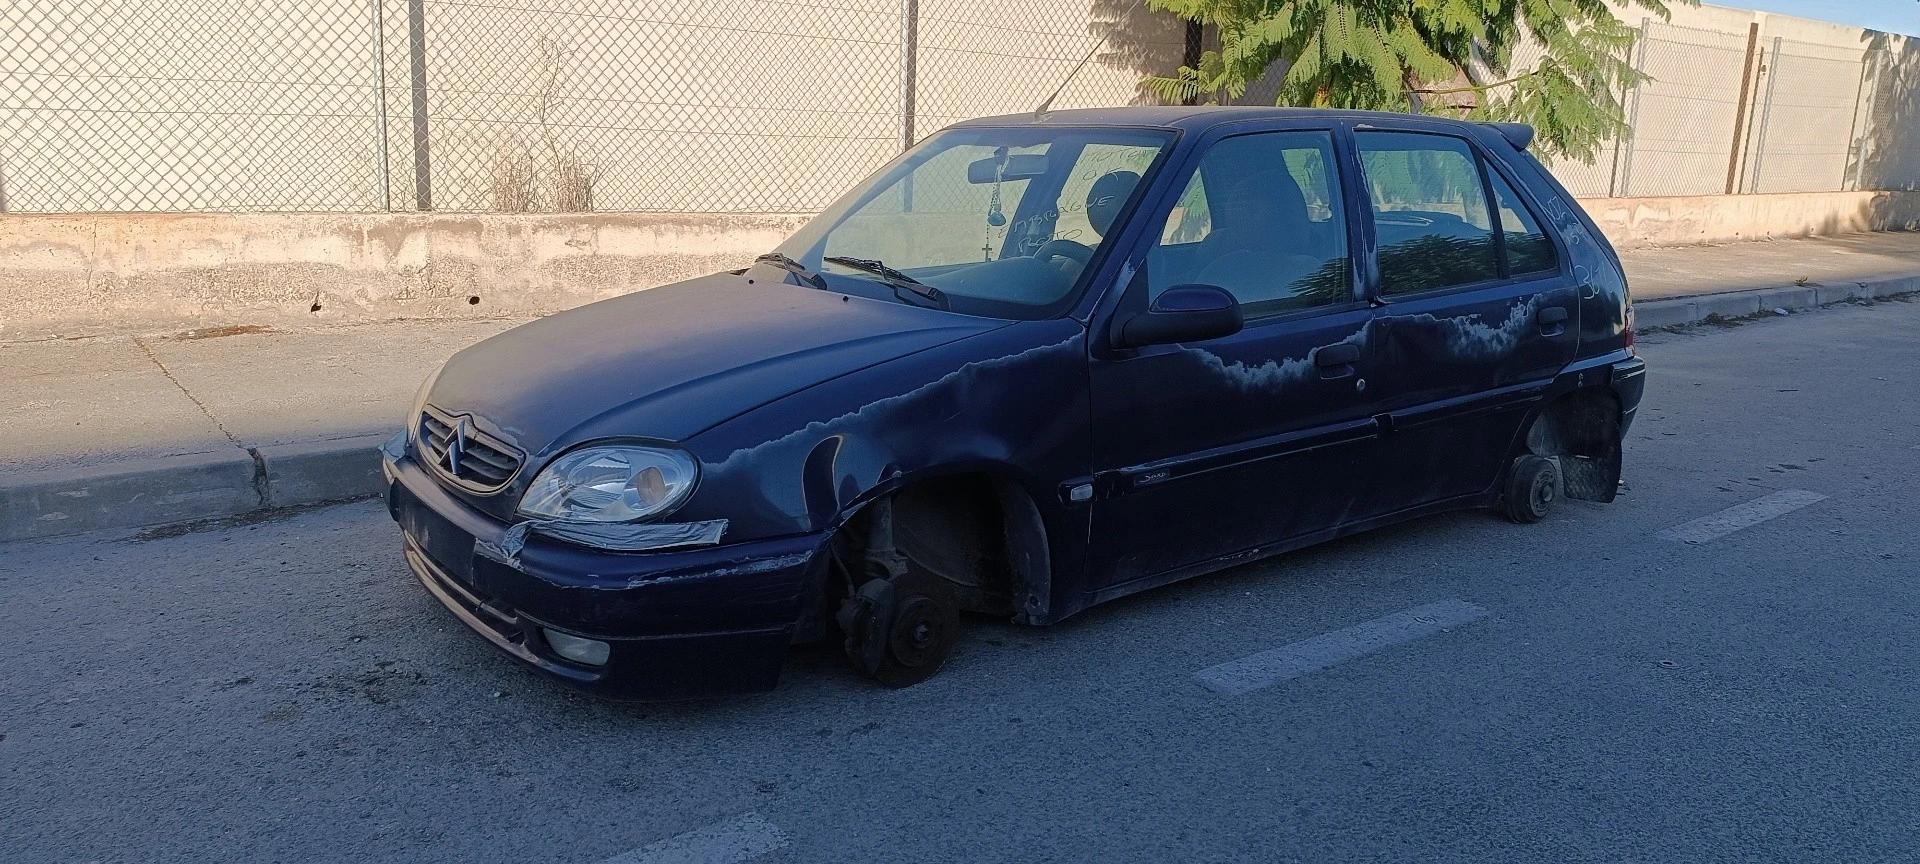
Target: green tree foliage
(1399,55)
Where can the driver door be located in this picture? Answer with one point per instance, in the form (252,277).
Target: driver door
(1210,450)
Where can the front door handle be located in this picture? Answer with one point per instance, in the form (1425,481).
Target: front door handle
(1337,354)
(1336,360)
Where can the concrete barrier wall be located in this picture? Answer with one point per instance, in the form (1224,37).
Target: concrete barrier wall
(1632,223)
(91,273)
(69,275)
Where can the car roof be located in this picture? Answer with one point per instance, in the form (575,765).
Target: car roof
(1196,118)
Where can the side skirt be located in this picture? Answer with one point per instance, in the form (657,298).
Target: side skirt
(1114,592)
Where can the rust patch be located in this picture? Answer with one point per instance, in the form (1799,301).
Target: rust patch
(217,332)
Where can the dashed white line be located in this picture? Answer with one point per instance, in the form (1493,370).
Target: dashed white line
(1717,525)
(738,839)
(1307,656)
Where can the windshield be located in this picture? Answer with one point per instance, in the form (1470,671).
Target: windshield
(986,221)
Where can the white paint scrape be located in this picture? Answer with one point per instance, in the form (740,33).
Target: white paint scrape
(738,839)
(1307,656)
(1717,525)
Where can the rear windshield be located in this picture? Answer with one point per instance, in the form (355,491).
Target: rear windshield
(1003,222)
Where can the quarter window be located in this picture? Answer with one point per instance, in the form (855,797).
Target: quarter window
(1431,223)
(1529,249)
(1261,217)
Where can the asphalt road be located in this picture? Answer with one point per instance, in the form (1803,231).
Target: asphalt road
(284,691)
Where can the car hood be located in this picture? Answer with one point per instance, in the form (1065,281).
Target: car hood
(669,362)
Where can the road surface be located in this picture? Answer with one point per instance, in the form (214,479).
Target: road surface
(1720,667)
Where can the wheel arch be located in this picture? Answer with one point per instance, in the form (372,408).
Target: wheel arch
(1024,542)
(1581,430)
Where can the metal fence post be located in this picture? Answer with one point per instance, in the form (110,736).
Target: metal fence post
(1740,109)
(1859,138)
(1623,154)
(1766,115)
(380,105)
(417,56)
(909,67)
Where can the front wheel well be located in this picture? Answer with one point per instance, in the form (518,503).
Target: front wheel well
(1581,432)
(979,532)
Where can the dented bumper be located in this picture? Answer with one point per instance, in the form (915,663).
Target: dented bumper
(687,622)
(1628,378)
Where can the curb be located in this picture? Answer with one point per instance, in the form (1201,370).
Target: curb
(1678,312)
(171,489)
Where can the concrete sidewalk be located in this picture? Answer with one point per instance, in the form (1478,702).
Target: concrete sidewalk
(118,431)
(1684,285)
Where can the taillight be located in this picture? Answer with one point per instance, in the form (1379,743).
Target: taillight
(1629,326)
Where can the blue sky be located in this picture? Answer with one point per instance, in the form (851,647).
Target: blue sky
(1894,16)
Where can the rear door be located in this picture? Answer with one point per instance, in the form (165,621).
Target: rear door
(1477,312)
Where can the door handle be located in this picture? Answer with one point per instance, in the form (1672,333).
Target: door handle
(1336,360)
(1552,320)
(1337,354)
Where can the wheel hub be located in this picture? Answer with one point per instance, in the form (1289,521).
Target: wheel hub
(917,631)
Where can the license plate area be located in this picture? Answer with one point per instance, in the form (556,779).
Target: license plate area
(441,540)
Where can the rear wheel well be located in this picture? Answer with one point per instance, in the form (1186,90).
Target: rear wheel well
(1581,432)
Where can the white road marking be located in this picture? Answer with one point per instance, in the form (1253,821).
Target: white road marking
(1717,525)
(1307,656)
(738,839)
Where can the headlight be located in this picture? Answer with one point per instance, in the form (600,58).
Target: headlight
(611,484)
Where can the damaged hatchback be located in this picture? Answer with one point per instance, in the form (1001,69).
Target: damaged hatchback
(1036,363)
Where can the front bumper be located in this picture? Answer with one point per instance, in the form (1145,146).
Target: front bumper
(680,623)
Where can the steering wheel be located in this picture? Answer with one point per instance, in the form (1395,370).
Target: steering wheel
(1079,253)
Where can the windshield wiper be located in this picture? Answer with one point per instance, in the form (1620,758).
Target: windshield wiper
(898,280)
(780,260)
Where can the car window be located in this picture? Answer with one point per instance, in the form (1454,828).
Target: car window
(1101,180)
(1431,223)
(1529,249)
(999,221)
(1262,218)
(934,215)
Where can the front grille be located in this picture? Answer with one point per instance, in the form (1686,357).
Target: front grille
(480,463)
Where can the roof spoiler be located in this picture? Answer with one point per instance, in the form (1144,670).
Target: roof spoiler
(1518,134)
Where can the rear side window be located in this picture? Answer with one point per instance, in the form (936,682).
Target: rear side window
(1529,249)
(1262,218)
(1432,226)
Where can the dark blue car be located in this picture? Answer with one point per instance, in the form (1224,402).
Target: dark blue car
(1036,363)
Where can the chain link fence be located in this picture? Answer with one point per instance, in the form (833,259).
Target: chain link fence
(1685,119)
(523,105)
(1729,113)
(192,105)
(729,106)
(1809,123)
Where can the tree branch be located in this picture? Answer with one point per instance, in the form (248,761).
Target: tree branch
(1476,87)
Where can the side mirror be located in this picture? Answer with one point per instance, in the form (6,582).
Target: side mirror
(1183,313)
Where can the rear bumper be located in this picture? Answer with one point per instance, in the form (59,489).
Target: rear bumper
(681,623)
(1628,377)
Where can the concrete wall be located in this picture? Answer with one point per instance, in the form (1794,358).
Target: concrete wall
(104,272)
(70,275)
(1631,223)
